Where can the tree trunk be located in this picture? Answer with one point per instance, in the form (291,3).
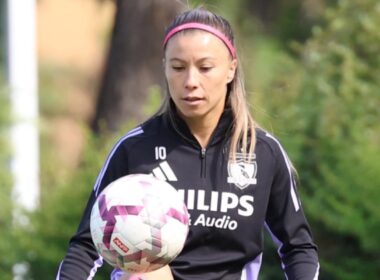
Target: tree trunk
(134,62)
(265,11)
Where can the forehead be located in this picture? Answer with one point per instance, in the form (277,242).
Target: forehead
(195,42)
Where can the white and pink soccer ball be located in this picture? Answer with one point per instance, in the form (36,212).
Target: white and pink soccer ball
(139,223)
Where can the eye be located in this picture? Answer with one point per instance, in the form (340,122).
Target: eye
(205,68)
(178,68)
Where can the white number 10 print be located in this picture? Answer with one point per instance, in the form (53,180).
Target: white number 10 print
(160,152)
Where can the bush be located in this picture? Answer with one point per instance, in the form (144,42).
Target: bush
(8,247)
(326,110)
(58,217)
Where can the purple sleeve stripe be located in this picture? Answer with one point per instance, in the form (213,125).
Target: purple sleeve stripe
(276,241)
(130,134)
(251,270)
(59,271)
(316,273)
(279,245)
(289,166)
(116,274)
(98,263)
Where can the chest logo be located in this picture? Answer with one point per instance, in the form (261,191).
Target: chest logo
(164,172)
(242,171)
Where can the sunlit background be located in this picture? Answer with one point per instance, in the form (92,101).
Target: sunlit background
(77,74)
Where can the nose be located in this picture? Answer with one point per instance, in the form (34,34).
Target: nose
(191,81)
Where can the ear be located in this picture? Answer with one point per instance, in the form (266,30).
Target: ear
(164,65)
(163,62)
(231,70)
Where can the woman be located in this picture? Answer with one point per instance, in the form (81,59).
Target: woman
(236,178)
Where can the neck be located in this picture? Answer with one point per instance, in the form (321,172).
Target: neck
(202,128)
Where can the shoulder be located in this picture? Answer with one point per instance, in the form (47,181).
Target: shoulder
(280,156)
(144,131)
(265,140)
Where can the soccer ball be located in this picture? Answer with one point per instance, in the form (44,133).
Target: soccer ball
(139,223)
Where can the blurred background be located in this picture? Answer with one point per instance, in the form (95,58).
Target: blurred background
(312,70)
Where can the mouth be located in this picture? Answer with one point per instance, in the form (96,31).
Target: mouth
(193,100)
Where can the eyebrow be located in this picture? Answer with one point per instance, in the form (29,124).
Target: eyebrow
(199,60)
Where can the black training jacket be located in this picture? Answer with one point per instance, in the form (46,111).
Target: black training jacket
(230,203)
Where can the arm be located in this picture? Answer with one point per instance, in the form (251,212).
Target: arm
(287,224)
(82,260)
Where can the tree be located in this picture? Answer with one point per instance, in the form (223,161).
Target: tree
(286,20)
(331,123)
(133,66)
(44,244)
(134,61)
(322,104)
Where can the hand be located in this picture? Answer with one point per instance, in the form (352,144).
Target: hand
(163,273)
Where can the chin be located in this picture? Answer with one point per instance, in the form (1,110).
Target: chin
(191,114)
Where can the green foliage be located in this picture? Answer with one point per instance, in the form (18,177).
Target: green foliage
(341,105)
(59,214)
(282,20)
(323,105)
(153,101)
(7,246)
(325,109)
(64,191)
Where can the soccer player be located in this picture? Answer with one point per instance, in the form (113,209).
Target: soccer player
(236,178)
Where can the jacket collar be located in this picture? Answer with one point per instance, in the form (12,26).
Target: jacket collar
(221,132)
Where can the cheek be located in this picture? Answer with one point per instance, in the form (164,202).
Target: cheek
(173,84)
(219,82)
(169,77)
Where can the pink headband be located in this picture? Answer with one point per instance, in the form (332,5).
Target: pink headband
(205,27)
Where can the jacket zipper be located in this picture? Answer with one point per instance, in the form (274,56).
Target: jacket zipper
(195,144)
(203,162)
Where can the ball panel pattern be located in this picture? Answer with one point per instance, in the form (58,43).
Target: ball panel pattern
(139,223)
